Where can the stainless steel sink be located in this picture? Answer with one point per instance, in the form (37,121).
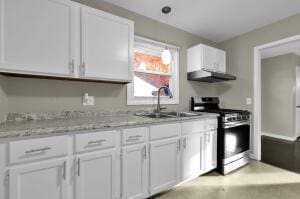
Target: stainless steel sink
(182,114)
(167,114)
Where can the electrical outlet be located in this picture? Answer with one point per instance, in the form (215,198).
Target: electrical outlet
(88,100)
(248,101)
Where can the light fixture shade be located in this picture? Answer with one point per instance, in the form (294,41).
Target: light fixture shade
(166,57)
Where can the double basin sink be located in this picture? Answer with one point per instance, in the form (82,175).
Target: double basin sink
(168,114)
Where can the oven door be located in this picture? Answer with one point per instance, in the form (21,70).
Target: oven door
(236,140)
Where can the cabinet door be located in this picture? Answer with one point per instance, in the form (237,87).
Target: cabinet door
(45,180)
(192,156)
(209,58)
(134,172)
(96,175)
(221,61)
(164,164)
(37,37)
(107,44)
(210,150)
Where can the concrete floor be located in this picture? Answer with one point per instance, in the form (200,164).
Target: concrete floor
(254,181)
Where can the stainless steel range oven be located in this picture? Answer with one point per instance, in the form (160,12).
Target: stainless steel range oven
(233,142)
(233,133)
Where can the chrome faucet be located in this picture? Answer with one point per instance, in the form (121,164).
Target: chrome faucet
(158,109)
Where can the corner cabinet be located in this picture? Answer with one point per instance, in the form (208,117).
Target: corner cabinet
(71,41)
(203,57)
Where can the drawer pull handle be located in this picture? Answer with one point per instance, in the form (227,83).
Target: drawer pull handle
(38,150)
(133,138)
(96,142)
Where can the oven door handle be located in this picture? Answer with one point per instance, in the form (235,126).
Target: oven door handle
(235,124)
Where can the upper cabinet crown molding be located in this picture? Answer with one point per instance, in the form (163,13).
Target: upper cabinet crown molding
(61,38)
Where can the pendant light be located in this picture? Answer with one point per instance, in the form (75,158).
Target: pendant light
(166,55)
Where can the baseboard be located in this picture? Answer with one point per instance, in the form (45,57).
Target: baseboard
(279,136)
(253,156)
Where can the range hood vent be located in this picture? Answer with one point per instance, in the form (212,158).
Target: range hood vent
(208,76)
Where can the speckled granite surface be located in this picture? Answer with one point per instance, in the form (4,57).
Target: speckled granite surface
(24,125)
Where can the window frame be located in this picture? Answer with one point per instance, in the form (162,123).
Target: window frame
(141,42)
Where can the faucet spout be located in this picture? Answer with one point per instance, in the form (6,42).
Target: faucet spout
(158,109)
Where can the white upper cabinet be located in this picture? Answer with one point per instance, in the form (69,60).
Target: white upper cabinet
(37,37)
(45,180)
(203,57)
(107,44)
(62,38)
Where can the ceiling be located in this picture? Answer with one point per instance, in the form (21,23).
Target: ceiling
(217,20)
(292,47)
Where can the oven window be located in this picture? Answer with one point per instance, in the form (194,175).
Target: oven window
(236,140)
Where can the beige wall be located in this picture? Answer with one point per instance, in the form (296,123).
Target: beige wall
(36,95)
(240,59)
(3,98)
(278,94)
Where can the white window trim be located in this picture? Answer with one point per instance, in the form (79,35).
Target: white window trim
(148,43)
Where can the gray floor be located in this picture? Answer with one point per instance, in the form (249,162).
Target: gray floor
(255,181)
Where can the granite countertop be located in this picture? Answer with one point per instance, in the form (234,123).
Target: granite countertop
(46,125)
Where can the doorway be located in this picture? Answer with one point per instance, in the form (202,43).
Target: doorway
(257,112)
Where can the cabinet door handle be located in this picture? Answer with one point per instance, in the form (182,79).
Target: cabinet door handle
(184,143)
(64,170)
(178,145)
(144,153)
(72,67)
(78,167)
(83,69)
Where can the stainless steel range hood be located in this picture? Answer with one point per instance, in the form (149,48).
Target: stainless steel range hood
(209,76)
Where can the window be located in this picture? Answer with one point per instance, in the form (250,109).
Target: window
(149,73)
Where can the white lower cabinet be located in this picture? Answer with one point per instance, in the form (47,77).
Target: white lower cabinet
(46,180)
(134,172)
(210,150)
(96,175)
(151,160)
(164,164)
(192,155)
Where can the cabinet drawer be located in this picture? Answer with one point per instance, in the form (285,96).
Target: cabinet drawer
(211,124)
(34,149)
(96,140)
(193,127)
(134,135)
(164,131)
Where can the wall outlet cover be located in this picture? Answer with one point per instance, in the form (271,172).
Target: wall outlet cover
(88,101)
(248,101)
